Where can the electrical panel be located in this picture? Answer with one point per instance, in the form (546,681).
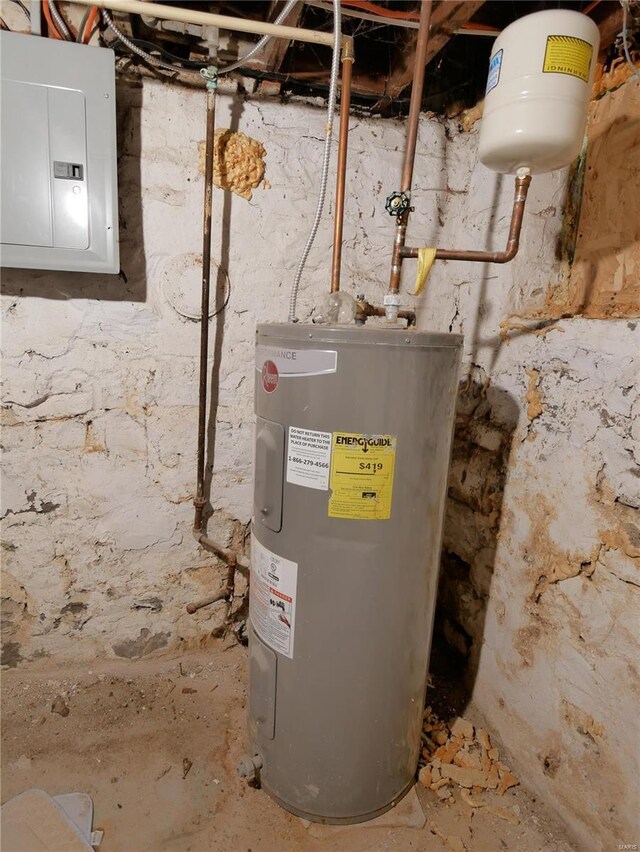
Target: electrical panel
(59,194)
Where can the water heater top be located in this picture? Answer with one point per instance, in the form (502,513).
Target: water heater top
(358,335)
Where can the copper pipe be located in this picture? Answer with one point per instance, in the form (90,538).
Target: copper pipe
(412,136)
(513,241)
(343,141)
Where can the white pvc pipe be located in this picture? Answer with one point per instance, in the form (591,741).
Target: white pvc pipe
(208,19)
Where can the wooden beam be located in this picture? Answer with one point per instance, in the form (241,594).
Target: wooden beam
(446,19)
(275,52)
(609,22)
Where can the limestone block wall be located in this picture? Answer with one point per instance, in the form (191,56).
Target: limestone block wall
(539,585)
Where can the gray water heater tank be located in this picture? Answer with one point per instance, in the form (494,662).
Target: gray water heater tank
(353,439)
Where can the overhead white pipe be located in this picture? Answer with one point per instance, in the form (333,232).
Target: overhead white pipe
(208,19)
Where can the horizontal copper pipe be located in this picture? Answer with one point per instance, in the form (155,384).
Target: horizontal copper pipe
(513,241)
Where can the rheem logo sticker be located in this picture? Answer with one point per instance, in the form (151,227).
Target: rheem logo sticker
(269,376)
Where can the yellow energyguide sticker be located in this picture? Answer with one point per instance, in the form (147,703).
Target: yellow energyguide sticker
(361,477)
(568,55)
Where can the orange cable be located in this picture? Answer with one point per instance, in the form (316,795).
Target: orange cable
(53,30)
(86,35)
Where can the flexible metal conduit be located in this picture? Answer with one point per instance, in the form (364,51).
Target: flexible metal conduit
(153,60)
(59,20)
(259,45)
(324,176)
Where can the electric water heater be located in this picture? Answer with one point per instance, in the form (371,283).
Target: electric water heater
(353,439)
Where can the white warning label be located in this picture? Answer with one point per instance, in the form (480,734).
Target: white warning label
(272,602)
(308,458)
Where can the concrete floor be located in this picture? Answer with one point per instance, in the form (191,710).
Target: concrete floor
(156,742)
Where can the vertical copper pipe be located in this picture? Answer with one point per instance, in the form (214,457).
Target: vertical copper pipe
(343,141)
(199,500)
(412,136)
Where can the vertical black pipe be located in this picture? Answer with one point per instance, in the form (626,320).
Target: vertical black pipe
(199,500)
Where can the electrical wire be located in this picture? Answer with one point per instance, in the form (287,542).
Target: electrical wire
(625,39)
(331,106)
(61,25)
(83,23)
(52,29)
(85,31)
(258,46)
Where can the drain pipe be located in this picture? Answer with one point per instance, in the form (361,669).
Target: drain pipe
(211,76)
(227,556)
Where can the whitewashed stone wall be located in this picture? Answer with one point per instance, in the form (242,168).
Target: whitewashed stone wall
(99,412)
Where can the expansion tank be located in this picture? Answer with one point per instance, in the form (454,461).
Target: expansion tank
(353,440)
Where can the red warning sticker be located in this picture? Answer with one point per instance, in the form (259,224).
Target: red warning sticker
(269,376)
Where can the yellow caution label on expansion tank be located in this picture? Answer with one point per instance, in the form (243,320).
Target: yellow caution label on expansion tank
(361,478)
(568,55)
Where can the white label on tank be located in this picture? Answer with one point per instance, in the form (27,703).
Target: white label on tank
(308,458)
(272,602)
(494,71)
(297,362)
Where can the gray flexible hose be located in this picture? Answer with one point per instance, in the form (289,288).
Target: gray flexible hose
(331,107)
(225,69)
(60,22)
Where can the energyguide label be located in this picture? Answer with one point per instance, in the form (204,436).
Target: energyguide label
(272,602)
(568,55)
(361,476)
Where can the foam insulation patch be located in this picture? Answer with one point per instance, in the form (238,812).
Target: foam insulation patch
(238,162)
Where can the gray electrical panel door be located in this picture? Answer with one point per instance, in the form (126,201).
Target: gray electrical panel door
(57,155)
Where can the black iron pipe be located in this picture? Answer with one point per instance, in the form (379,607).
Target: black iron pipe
(199,500)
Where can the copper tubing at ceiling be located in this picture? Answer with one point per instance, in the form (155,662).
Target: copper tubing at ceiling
(343,141)
(513,240)
(412,135)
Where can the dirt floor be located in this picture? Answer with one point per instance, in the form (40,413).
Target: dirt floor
(156,743)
